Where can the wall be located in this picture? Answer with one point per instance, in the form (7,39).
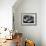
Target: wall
(6,13)
(43,22)
(31,32)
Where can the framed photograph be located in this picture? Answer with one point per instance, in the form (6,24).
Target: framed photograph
(29,19)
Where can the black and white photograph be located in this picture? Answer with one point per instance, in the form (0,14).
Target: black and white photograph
(29,19)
